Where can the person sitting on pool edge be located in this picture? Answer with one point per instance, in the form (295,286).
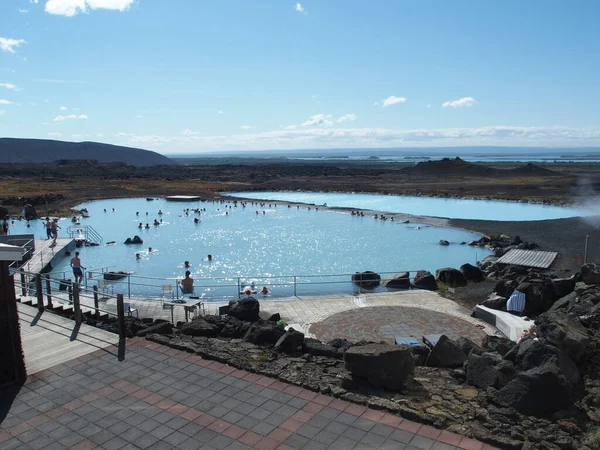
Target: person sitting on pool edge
(187,284)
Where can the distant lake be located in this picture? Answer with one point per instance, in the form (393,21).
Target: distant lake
(425,206)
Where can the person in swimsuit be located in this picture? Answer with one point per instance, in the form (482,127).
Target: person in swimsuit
(76,265)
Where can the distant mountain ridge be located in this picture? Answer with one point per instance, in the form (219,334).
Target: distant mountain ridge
(36,151)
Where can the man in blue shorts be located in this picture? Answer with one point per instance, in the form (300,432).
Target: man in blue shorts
(76,265)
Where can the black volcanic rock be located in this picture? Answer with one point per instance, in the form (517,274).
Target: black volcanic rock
(19,151)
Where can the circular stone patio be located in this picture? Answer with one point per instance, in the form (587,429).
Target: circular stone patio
(383,323)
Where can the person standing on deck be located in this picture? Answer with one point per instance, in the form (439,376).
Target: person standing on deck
(48,226)
(76,265)
(54,226)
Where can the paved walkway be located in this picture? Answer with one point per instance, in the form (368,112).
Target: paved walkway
(49,339)
(161,398)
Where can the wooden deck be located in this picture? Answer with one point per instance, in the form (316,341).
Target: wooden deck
(529,258)
(46,254)
(49,339)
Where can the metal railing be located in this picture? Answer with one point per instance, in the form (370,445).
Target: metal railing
(85,232)
(41,257)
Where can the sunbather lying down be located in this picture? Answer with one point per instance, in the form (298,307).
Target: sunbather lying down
(247,290)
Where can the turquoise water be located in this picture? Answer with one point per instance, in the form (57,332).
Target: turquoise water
(282,241)
(425,206)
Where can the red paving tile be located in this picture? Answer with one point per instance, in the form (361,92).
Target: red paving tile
(54,413)
(278,386)
(90,397)
(323,400)
(279,434)
(153,398)
(339,404)
(219,425)
(120,384)
(291,424)
(410,426)
(234,432)
(266,444)
(355,410)
(191,414)
(303,416)
(307,395)
(250,438)
(312,407)
(449,438)
(470,444)
(489,447)
(204,420)
(390,420)
(178,409)
(265,381)
(429,432)
(239,373)
(252,377)
(5,436)
(371,414)
(293,390)
(284,447)
(19,429)
(38,420)
(227,370)
(74,404)
(165,403)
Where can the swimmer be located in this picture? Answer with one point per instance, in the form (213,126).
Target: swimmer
(264,290)
(140,226)
(149,249)
(147,226)
(196,220)
(137,213)
(160,212)
(209,257)
(138,256)
(104,209)
(186,264)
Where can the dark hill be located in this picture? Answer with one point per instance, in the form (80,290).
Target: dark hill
(449,166)
(532,169)
(28,151)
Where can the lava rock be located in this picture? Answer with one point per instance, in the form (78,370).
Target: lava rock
(246,309)
(444,242)
(399,281)
(540,391)
(489,369)
(471,272)
(274,317)
(563,286)
(135,240)
(424,280)
(29,212)
(290,342)
(505,288)
(263,332)
(494,301)
(590,274)
(390,366)
(451,277)
(468,346)
(317,348)
(199,327)
(366,280)
(497,344)
(446,353)
(539,295)
(564,332)
(157,328)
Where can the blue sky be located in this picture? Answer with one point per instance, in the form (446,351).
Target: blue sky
(191,76)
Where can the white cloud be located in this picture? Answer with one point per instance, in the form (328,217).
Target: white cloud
(54,134)
(392,100)
(318,119)
(12,87)
(70,8)
(245,127)
(33,1)
(290,127)
(70,117)
(9,45)
(220,113)
(350,117)
(188,132)
(23,11)
(460,103)
(5,102)
(299,7)
(63,108)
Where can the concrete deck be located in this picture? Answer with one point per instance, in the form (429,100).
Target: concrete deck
(46,254)
(49,339)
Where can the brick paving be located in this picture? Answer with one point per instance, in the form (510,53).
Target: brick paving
(385,322)
(162,398)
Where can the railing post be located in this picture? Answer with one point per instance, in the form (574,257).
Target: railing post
(294,285)
(177,289)
(49,291)
(239,289)
(38,291)
(121,316)
(96,302)
(128,286)
(70,291)
(23,288)
(76,305)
